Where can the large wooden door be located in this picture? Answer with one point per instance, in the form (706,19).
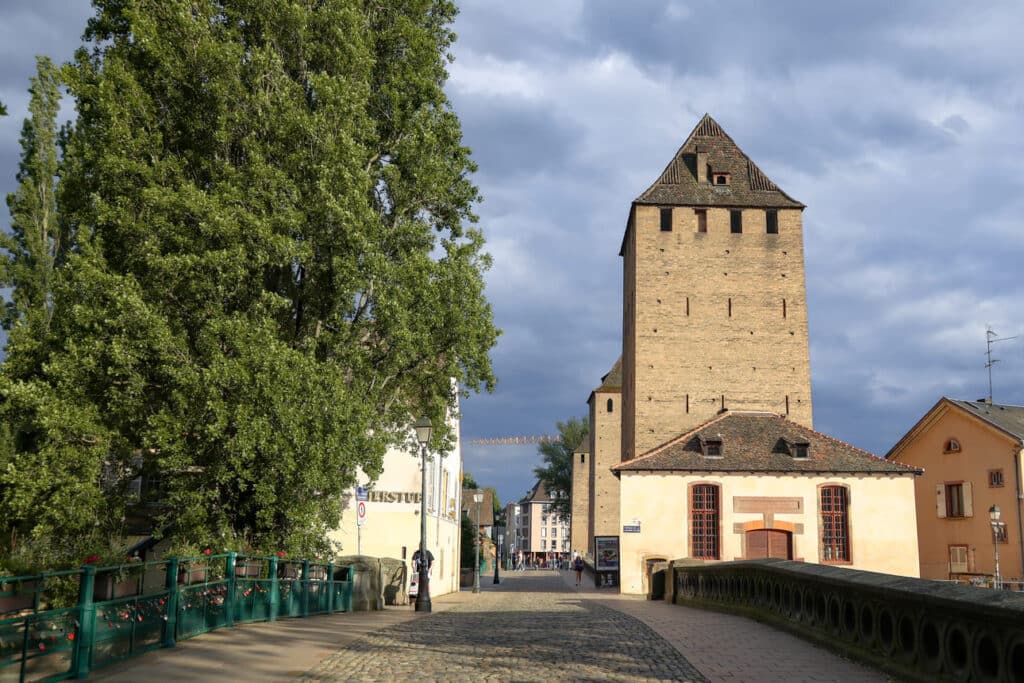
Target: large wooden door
(763,543)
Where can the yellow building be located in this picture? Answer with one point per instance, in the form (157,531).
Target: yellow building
(702,441)
(749,485)
(971,453)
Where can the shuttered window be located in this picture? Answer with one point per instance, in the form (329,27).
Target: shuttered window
(704,521)
(835,524)
(954,499)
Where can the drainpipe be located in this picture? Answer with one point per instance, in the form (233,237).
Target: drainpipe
(1020,523)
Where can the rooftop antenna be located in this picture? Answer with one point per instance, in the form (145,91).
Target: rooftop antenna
(991,338)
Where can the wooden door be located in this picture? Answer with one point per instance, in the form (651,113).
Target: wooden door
(764,543)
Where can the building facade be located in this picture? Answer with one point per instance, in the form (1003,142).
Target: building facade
(579,528)
(702,441)
(972,454)
(542,535)
(392,527)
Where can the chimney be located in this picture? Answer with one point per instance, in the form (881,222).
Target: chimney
(703,173)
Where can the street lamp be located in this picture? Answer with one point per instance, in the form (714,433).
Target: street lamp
(477,498)
(423,430)
(497,557)
(993,515)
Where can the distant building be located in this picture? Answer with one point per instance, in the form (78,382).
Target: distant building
(702,442)
(392,526)
(972,454)
(541,534)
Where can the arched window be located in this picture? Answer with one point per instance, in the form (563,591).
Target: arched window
(704,518)
(610,405)
(835,524)
(952,446)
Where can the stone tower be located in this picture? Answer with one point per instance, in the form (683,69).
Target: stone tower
(605,403)
(714,301)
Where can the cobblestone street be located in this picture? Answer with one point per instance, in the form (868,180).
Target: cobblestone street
(535,626)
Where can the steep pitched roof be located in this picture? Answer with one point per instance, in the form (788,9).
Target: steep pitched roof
(584,445)
(611,382)
(760,442)
(486,506)
(1006,418)
(538,494)
(679,183)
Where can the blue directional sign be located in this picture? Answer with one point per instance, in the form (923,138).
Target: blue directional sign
(361,494)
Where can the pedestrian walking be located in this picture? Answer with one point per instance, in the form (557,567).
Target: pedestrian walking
(577,566)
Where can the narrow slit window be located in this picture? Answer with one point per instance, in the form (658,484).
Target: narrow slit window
(702,220)
(787,405)
(771,220)
(666,220)
(687,306)
(736,221)
(783,308)
(610,405)
(687,403)
(730,307)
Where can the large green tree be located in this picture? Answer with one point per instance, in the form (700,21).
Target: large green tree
(556,470)
(273,270)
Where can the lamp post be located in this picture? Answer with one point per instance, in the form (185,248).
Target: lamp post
(497,557)
(477,498)
(423,430)
(993,515)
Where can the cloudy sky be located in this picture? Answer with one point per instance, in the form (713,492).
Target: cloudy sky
(899,125)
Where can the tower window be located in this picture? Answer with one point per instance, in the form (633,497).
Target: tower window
(583,458)
(702,220)
(771,219)
(736,221)
(666,220)
(687,306)
(783,308)
(609,405)
(730,307)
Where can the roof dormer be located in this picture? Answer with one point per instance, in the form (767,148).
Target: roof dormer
(798,448)
(711,446)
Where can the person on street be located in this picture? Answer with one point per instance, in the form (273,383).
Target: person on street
(577,566)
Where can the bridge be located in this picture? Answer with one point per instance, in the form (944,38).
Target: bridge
(765,620)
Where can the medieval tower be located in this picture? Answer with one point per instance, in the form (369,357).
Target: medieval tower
(714,301)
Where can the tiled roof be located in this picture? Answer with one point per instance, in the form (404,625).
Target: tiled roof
(486,506)
(612,381)
(584,445)
(748,186)
(1006,417)
(759,442)
(538,494)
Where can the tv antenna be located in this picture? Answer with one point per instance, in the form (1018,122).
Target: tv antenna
(991,338)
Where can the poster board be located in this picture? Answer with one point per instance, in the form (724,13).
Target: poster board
(606,553)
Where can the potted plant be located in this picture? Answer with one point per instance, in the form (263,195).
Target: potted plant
(122,581)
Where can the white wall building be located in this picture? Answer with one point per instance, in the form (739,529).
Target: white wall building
(392,527)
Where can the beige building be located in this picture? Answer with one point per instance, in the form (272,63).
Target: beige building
(749,485)
(392,527)
(702,441)
(540,534)
(972,454)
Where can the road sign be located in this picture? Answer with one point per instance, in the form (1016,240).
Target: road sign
(361,513)
(362,494)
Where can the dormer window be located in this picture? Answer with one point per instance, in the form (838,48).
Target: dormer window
(952,446)
(720,178)
(798,449)
(711,446)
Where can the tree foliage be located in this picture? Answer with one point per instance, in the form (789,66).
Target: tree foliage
(266,269)
(556,470)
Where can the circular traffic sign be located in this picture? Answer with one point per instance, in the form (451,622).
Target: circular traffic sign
(360,512)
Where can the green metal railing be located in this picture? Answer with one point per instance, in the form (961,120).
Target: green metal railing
(61,625)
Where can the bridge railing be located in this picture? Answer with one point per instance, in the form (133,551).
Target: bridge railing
(914,628)
(61,625)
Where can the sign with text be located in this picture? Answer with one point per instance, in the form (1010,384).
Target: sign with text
(606,553)
(361,493)
(630,528)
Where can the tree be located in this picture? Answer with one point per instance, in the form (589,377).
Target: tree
(272,270)
(468,482)
(3,109)
(556,472)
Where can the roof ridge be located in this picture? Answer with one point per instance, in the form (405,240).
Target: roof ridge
(868,454)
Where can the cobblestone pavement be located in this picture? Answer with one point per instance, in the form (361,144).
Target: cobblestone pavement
(537,626)
(533,628)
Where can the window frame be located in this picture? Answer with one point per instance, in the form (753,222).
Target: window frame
(771,221)
(708,518)
(996,480)
(736,221)
(832,546)
(665,218)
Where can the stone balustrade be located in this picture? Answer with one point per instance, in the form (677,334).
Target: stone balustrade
(916,629)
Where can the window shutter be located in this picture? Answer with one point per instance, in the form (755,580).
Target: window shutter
(940,500)
(968,499)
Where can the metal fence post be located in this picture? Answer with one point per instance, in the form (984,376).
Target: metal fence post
(229,599)
(330,587)
(305,589)
(171,622)
(275,596)
(86,623)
